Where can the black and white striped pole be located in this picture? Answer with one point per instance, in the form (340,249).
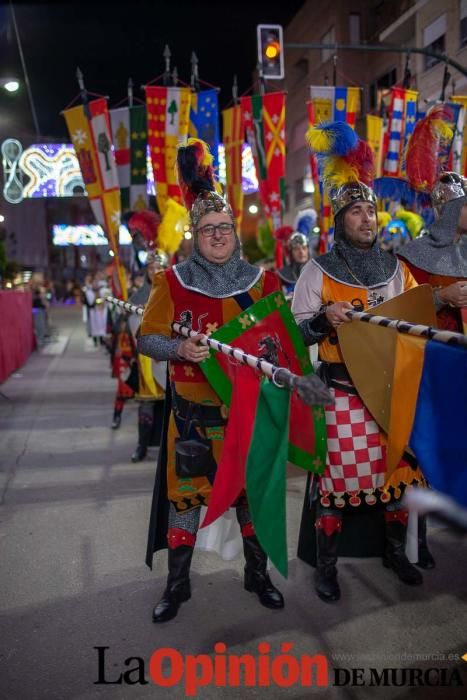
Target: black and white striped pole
(448,337)
(310,388)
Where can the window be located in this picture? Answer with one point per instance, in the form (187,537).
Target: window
(354,28)
(463,19)
(328,38)
(434,39)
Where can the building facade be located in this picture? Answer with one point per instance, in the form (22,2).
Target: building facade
(441,27)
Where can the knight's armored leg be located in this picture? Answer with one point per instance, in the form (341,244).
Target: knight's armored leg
(425,557)
(181,540)
(328,527)
(256,577)
(396,535)
(145,418)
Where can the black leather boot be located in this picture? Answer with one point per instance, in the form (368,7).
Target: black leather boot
(144,436)
(328,528)
(117,419)
(256,577)
(395,557)
(139,454)
(178,588)
(425,557)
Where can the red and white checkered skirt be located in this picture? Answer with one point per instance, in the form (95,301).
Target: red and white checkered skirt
(356,460)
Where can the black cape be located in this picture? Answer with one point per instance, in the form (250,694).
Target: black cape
(362,531)
(159,516)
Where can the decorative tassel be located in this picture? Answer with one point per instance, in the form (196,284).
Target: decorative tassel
(283,233)
(171,229)
(336,138)
(341,155)
(146,222)
(195,171)
(423,149)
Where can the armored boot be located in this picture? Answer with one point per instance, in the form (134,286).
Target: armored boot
(178,589)
(395,557)
(425,557)
(328,527)
(256,577)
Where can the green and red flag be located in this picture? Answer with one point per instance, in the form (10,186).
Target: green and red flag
(256,439)
(264,122)
(130,142)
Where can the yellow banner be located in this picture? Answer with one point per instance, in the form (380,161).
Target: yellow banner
(105,205)
(353,105)
(374,136)
(233,142)
(80,134)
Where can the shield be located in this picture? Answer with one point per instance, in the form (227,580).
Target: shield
(369,350)
(268,329)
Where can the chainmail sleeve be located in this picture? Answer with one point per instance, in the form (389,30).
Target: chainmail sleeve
(155,333)
(307,305)
(159,347)
(316,328)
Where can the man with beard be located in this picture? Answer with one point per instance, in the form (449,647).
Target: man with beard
(356,269)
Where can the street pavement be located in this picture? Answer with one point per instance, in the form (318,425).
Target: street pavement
(73,529)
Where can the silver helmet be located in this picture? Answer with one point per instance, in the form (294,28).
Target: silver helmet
(449,186)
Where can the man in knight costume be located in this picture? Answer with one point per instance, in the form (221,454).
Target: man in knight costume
(207,290)
(150,391)
(440,257)
(355,270)
(299,254)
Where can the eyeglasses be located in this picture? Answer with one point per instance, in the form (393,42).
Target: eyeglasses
(209,230)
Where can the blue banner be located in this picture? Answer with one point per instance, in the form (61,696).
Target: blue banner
(204,121)
(439,429)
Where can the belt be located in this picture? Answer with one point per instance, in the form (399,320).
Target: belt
(333,373)
(199,413)
(338,371)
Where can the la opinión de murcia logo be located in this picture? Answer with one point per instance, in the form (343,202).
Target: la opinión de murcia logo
(168,668)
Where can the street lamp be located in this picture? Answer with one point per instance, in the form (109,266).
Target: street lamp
(10,84)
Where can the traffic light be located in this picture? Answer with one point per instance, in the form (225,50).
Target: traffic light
(271,51)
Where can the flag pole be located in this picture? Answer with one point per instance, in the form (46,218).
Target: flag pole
(194,72)
(166,81)
(310,388)
(83,92)
(235,90)
(448,337)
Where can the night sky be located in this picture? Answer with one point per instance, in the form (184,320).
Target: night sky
(112,41)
